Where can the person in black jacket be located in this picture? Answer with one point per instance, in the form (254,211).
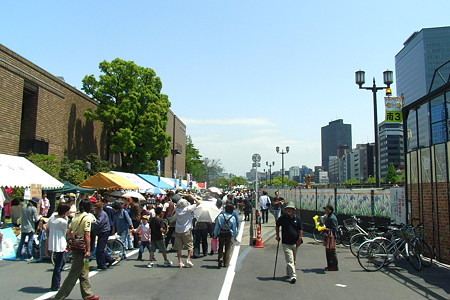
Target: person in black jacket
(331,223)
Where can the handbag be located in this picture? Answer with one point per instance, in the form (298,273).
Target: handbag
(77,243)
(329,241)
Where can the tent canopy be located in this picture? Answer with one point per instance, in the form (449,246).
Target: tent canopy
(133,178)
(108,181)
(153,179)
(16,171)
(71,188)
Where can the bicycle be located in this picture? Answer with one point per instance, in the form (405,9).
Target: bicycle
(319,229)
(425,252)
(115,248)
(378,252)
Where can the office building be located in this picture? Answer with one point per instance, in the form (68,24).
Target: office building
(391,146)
(334,135)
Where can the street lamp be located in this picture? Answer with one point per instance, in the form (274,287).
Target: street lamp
(282,162)
(270,170)
(388,80)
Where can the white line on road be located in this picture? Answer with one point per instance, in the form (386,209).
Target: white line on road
(91,273)
(226,287)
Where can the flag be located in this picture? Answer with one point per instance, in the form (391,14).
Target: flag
(158,165)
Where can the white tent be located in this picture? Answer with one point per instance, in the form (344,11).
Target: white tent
(133,178)
(16,171)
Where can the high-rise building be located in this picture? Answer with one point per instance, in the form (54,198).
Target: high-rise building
(294,173)
(334,135)
(391,146)
(422,53)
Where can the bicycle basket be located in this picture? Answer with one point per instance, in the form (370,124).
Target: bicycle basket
(350,223)
(407,233)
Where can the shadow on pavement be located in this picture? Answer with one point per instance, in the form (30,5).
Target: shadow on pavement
(317,271)
(271,278)
(34,290)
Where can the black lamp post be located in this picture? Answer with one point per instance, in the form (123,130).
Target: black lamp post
(388,80)
(282,161)
(270,170)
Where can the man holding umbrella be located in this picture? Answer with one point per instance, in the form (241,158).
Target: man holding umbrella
(291,233)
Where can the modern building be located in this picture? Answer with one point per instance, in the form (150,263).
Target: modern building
(391,146)
(334,135)
(425,123)
(45,115)
(294,173)
(422,53)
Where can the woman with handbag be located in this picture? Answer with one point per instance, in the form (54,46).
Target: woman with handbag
(79,242)
(331,224)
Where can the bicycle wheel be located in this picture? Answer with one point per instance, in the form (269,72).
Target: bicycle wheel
(425,252)
(317,236)
(338,236)
(356,241)
(371,256)
(412,250)
(345,237)
(115,249)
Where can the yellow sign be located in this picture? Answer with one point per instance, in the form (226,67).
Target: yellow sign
(36,190)
(394,109)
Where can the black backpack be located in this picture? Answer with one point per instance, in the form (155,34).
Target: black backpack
(225,229)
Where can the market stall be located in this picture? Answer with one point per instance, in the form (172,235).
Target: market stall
(108,181)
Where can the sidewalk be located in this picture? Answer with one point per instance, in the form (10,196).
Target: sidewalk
(255,267)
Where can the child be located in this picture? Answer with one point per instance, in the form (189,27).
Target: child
(158,229)
(144,232)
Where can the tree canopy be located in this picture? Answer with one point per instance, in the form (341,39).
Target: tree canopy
(194,162)
(133,111)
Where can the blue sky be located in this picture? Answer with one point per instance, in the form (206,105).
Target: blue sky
(245,76)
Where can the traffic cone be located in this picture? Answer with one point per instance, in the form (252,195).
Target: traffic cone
(258,243)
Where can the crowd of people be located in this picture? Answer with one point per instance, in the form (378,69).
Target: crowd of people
(164,223)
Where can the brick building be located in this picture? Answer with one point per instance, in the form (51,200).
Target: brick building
(43,114)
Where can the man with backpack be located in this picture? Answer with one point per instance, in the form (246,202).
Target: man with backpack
(225,230)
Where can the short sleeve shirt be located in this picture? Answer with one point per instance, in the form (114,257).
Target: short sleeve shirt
(82,223)
(289,228)
(155,227)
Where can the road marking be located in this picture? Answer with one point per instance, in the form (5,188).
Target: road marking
(91,273)
(341,285)
(226,287)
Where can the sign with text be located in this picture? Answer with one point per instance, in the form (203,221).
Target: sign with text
(398,205)
(36,190)
(393,109)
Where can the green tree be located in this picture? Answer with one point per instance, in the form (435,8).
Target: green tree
(352,181)
(49,163)
(212,168)
(194,162)
(278,181)
(236,180)
(133,112)
(391,175)
(221,182)
(371,180)
(74,172)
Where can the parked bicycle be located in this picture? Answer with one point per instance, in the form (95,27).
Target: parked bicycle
(425,252)
(319,230)
(379,252)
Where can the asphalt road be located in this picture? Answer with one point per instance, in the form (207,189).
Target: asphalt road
(250,276)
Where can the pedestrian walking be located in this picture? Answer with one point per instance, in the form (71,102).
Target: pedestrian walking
(225,230)
(28,226)
(183,229)
(264,203)
(277,204)
(101,229)
(56,231)
(158,228)
(291,238)
(80,226)
(122,225)
(144,233)
(331,224)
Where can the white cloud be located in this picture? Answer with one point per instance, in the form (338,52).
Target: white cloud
(230,121)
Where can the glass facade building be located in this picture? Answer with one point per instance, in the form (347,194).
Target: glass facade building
(333,136)
(423,76)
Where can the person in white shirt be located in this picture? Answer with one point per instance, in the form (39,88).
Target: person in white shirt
(264,202)
(183,229)
(56,232)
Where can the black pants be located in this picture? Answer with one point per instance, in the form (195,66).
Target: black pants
(169,236)
(265,215)
(59,265)
(332,261)
(200,237)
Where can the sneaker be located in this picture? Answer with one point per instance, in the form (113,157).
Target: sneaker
(181,265)
(31,260)
(293,280)
(189,264)
(167,263)
(150,265)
